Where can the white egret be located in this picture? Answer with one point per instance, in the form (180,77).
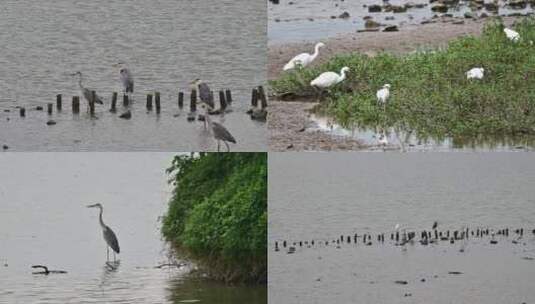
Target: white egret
(511,34)
(383,95)
(328,79)
(303,59)
(475,73)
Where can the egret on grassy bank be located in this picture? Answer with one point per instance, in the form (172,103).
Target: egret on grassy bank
(303,59)
(85,91)
(109,235)
(475,73)
(383,95)
(328,79)
(218,131)
(511,34)
(126,77)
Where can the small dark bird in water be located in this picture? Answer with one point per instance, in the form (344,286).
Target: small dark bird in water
(435,225)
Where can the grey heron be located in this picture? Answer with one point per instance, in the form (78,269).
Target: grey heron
(435,225)
(219,132)
(126,77)
(109,235)
(204,92)
(85,91)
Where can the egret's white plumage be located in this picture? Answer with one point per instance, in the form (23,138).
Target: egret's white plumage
(475,73)
(303,59)
(383,94)
(511,35)
(328,79)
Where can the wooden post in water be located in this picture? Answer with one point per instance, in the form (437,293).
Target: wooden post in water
(22,112)
(262,95)
(222,100)
(75,104)
(228,96)
(157,102)
(92,103)
(113,108)
(180,100)
(254,98)
(149,102)
(49,108)
(58,102)
(193,101)
(125,100)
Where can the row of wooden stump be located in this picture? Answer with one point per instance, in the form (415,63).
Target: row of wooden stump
(258,98)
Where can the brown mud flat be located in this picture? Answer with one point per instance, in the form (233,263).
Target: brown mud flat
(287,121)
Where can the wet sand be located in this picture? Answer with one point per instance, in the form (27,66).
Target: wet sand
(286,118)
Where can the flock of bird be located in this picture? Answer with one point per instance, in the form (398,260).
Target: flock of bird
(217,130)
(402,237)
(329,79)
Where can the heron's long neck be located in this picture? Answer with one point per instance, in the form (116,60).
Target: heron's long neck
(316,52)
(80,82)
(100,219)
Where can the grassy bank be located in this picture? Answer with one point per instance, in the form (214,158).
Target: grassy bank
(218,214)
(430,93)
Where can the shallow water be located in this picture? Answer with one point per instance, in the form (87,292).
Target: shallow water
(370,193)
(311,20)
(166,44)
(44,220)
(409,141)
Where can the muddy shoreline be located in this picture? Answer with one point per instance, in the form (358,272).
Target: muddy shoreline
(288,120)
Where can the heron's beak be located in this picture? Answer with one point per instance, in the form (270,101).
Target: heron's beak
(91,206)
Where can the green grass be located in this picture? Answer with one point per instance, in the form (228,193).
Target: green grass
(430,94)
(218,214)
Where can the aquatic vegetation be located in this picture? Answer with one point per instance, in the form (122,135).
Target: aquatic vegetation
(430,94)
(218,213)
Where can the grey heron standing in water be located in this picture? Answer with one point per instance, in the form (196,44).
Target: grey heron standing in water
(85,91)
(126,77)
(219,132)
(109,235)
(204,92)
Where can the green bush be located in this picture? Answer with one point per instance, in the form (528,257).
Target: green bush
(218,213)
(430,93)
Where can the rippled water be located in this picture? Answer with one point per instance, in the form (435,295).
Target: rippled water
(43,220)
(166,44)
(309,20)
(370,193)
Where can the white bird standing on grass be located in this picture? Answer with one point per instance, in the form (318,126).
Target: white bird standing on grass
(328,79)
(383,95)
(303,59)
(475,73)
(512,35)
(383,141)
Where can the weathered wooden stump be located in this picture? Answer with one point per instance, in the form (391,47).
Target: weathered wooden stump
(180,100)
(92,103)
(254,98)
(126,101)
(157,102)
(75,104)
(22,112)
(222,101)
(149,102)
(58,102)
(228,96)
(193,101)
(262,96)
(49,108)
(113,108)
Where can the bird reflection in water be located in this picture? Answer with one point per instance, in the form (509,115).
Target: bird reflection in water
(108,273)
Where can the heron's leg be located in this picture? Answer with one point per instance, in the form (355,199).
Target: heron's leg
(218,145)
(114,259)
(107,253)
(228,148)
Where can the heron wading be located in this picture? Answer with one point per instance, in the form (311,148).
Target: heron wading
(108,234)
